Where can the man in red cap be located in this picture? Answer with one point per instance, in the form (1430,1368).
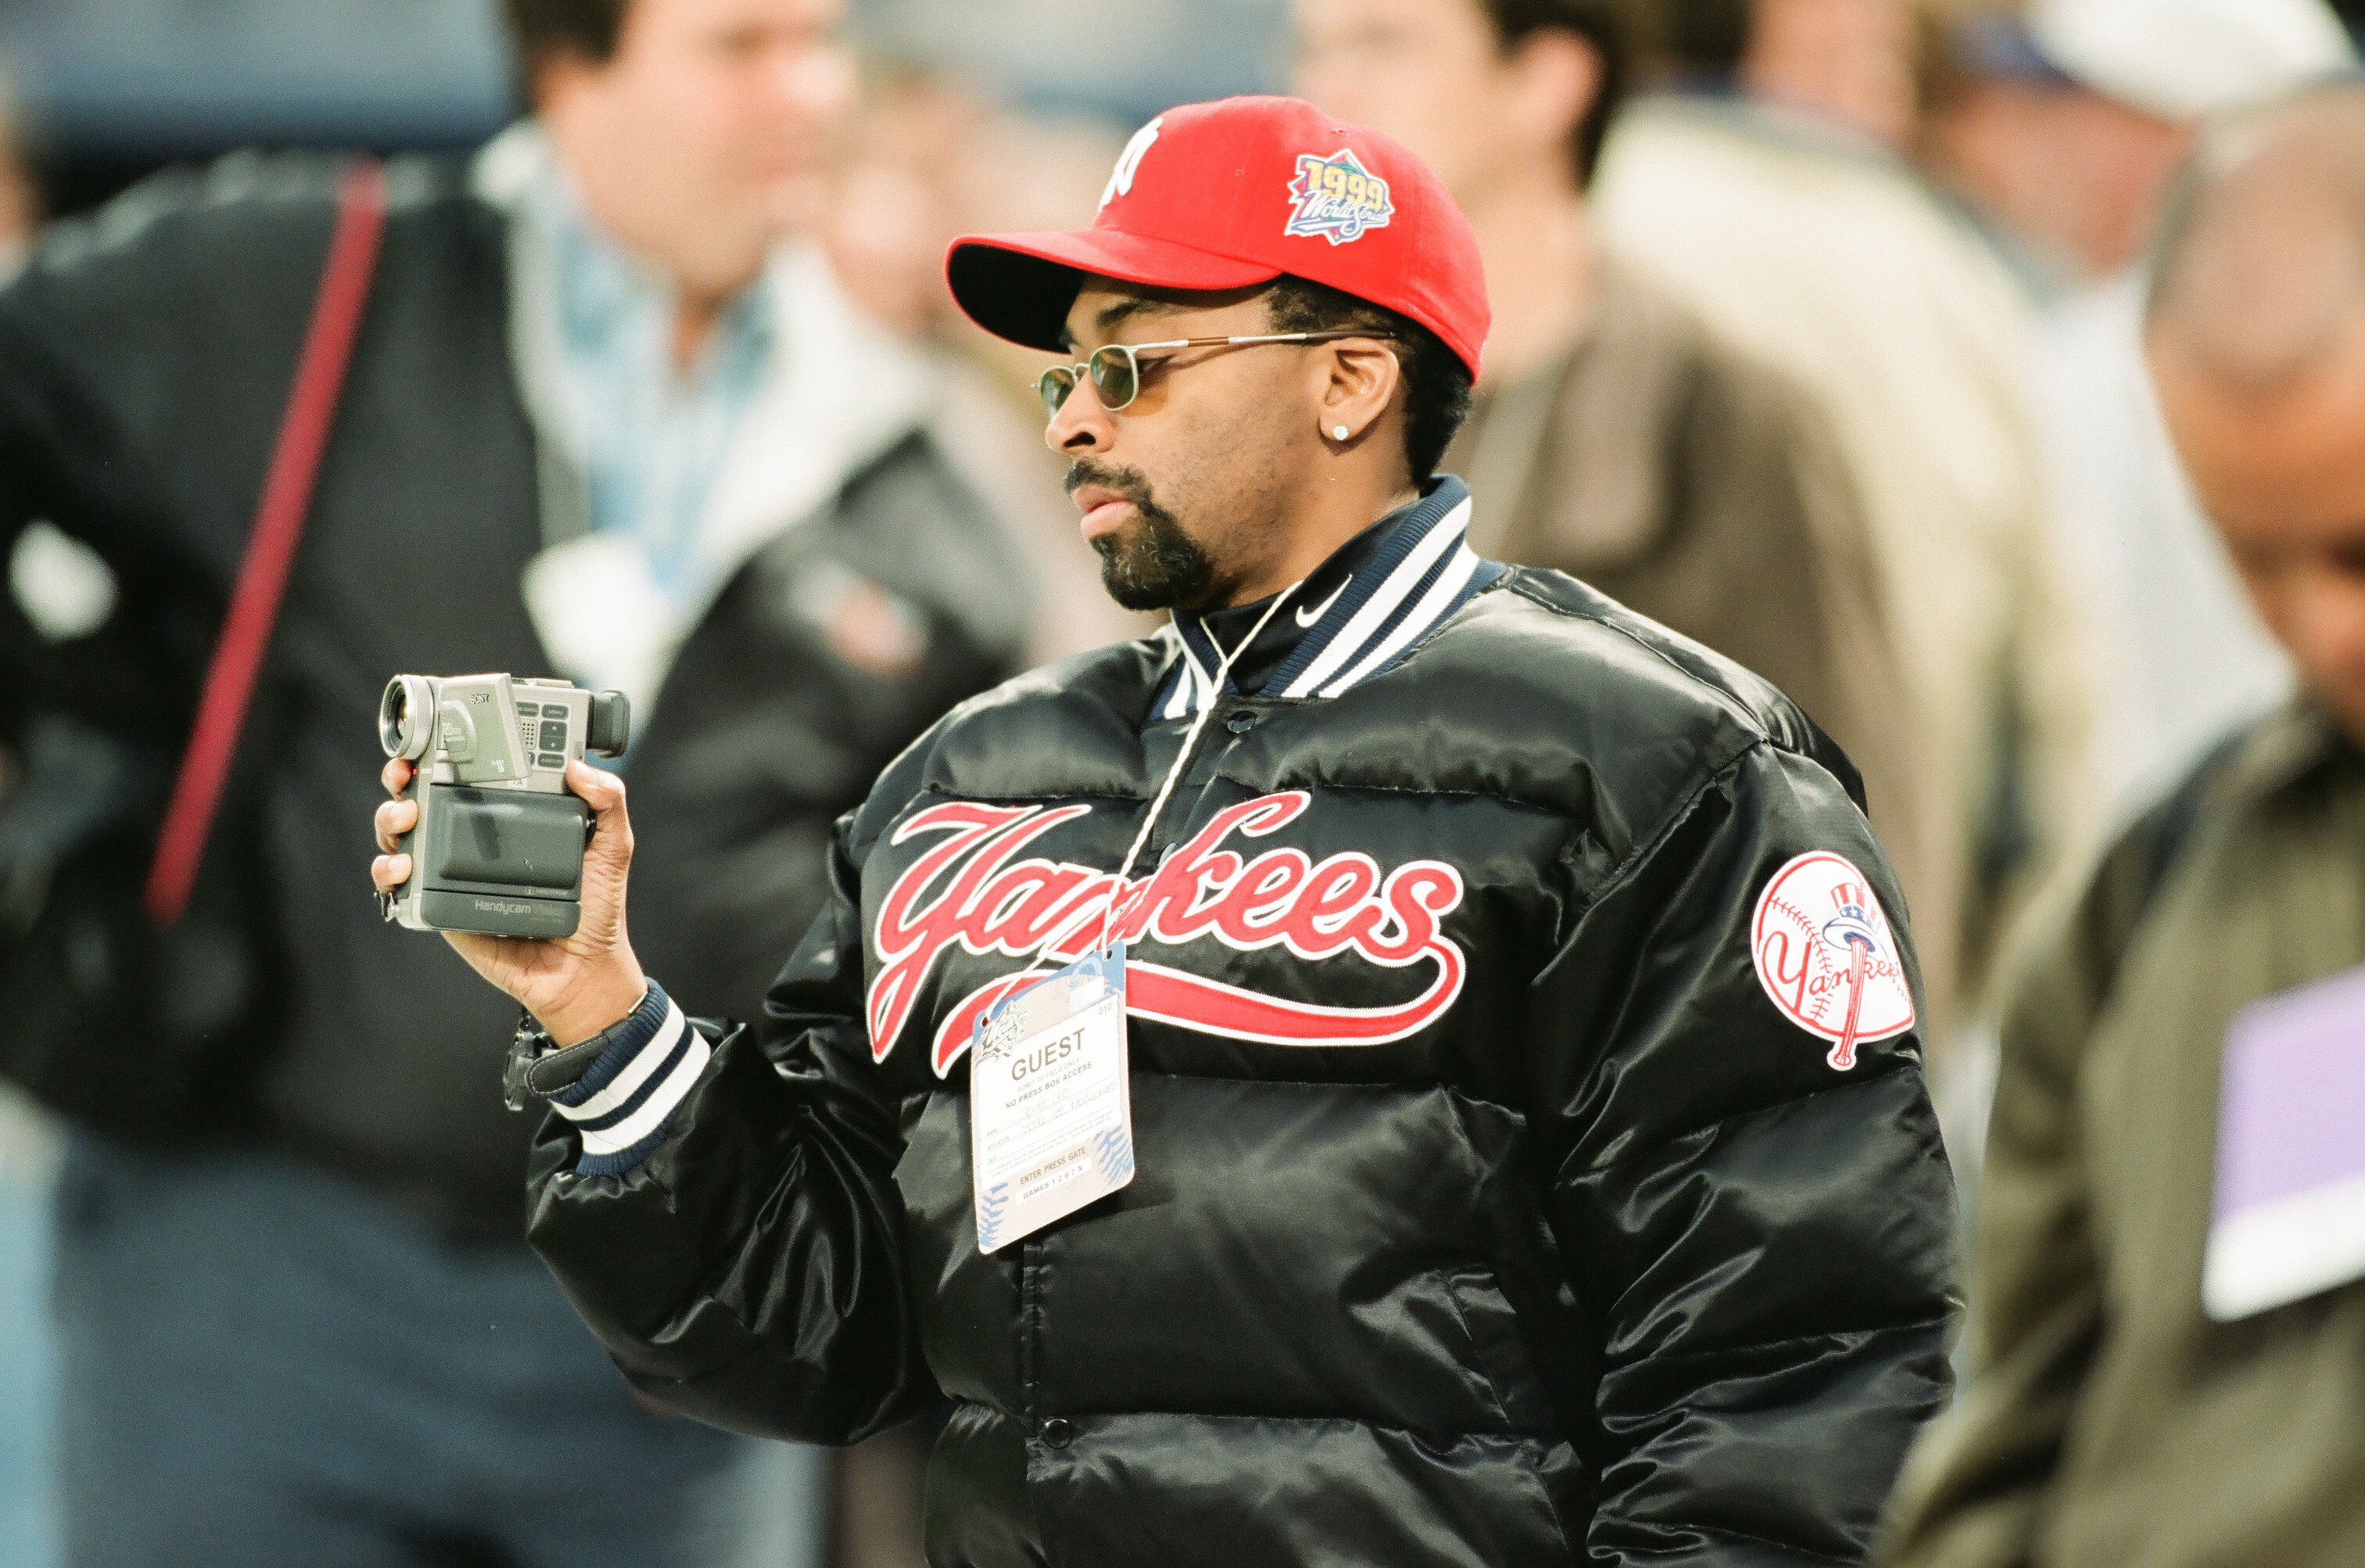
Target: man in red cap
(1414,1064)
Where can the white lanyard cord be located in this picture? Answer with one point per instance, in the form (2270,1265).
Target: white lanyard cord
(1182,758)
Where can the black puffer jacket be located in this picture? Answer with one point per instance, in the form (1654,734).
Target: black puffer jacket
(1489,1208)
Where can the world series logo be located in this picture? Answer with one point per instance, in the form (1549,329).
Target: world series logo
(1336,199)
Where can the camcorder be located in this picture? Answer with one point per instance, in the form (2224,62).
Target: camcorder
(499,846)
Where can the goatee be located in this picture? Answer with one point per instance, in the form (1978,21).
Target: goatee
(1149,561)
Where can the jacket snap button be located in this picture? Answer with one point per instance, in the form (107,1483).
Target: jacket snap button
(1241,723)
(1059,1432)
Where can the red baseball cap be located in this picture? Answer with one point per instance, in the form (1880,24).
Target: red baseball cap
(1234,193)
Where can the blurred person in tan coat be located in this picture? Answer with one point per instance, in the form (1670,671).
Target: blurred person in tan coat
(1782,210)
(2168,1317)
(1621,441)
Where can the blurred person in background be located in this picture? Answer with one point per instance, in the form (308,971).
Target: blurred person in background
(931,156)
(2168,1317)
(1770,194)
(607,417)
(2065,127)
(1616,438)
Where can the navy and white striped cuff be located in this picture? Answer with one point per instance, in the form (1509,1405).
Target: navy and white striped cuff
(621,1103)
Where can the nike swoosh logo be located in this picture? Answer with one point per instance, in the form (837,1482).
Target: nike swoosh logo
(1307,618)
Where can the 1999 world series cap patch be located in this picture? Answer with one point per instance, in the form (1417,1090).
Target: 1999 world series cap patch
(1336,199)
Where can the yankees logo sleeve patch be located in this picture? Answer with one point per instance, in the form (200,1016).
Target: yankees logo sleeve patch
(1827,958)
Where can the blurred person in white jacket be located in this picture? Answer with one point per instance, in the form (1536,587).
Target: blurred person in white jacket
(2068,126)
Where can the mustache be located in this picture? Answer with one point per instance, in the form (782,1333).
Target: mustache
(1130,483)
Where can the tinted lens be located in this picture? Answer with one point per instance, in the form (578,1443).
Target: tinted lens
(1113,377)
(1054,385)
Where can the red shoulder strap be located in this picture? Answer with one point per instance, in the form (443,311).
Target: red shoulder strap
(271,547)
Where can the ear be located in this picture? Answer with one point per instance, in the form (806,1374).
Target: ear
(1553,78)
(1359,377)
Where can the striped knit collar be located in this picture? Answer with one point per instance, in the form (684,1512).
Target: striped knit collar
(1353,617)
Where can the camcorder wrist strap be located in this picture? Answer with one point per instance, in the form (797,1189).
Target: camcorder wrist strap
(279,518)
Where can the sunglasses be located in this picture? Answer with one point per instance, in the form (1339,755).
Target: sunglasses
(1116,370)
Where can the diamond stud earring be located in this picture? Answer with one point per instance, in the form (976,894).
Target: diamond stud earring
(1338,432)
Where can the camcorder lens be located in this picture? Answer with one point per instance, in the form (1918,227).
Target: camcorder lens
(406,717)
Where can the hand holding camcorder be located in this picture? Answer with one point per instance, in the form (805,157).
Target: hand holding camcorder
(498,846)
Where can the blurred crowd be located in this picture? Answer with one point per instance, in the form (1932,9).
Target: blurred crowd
(1819,337)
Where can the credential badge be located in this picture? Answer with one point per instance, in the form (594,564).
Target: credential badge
(1336,199)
